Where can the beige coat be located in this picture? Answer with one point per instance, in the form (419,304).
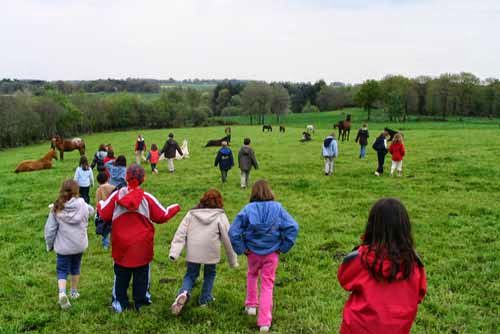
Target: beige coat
(202,231)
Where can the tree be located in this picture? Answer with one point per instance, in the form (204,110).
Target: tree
(222,100)
(367,95)
(256,100)
(394,94)
(280,101)
(331,98)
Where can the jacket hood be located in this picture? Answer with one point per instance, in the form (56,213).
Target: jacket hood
(268,211)
(132,199)
(246,150)
(328,141)
(386,263)
(101,155)
(73,211)
(225,150)
(206,216)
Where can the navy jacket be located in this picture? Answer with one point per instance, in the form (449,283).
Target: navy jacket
(224,159)
(263,228)
(380,145)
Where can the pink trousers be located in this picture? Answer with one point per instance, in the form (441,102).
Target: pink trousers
(264,266)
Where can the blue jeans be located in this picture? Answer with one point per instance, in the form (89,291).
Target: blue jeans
(193,271)
(68,265)
(105,239)
(362,151)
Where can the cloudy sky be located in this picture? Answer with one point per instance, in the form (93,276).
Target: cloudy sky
(297,40)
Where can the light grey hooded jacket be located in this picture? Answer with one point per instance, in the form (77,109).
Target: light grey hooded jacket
(202,231)
(66,230)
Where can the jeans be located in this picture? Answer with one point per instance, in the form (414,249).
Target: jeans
(329,165)
(153,167)
(192,273)
(362,151)
(223,174)
(105,239)
(381,159)
(68,265)
(140,287)
(84,193)
(264,266)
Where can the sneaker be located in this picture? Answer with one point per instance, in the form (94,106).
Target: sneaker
(179,303)
(74,295)
(64,301)
(377,174)
(208,302)
(264,329)
(250,310)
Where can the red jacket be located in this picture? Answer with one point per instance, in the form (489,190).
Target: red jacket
(378,307)
(132,213)
(154,157)
(397,150)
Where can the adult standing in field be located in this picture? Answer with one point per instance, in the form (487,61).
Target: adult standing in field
(169,150)
(227,131)
(140,148)
(330,152)
(246,160)
(362,138)
(224,160)
(380,145)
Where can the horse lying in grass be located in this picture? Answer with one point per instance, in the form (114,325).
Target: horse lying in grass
(306,136)
(67,145)
(216,142)
(32,165)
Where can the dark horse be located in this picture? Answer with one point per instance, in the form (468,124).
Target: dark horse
(267,128)
(391,133)
(344,128)
(216,142)
(67,145)
(282,128)
(306,136)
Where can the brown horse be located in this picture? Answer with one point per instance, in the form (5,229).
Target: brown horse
(67,145)
(43,163)
(344,128)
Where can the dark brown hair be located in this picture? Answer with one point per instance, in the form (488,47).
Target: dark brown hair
(69,189)
(111,154)
(246,141)
(261,192)
(211,199)
(388,235)
(84,162)
(121,161)
(102,147)
(154,147)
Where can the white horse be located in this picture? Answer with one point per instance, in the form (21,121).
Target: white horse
(184,149)
(310,128)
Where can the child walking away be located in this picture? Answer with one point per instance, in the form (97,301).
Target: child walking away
(153,157)
(380,145)
(385,276)
(246,160)
(262,230)
(397,150)
(330,152)
(362,138)
(99,157)
(66,234)
(117,170)
(85,178)
(132,212)
(201,232)
(169,150)
(102,227)
(110,157)
(140,147)
(224,160)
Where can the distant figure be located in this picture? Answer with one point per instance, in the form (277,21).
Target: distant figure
(85,178)
(99,158)
(362,138)
(153,158)
(397,150)
(201,232)
(132,212)
(306,136)
(267,128)
(262,230)
(66,234)
(246,160)
(140,148)
(102,227)
(310,129)
(169,150)
(224,160)
(227,132)
(384,275)
(282,128)
(380,146)
(330,152)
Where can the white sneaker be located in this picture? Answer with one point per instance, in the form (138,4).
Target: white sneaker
(64,301)
(251,310)
(179,303)
(377,174)
(264,329)
(74,295)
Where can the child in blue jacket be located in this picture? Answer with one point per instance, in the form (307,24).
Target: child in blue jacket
(262,230)
(224,160)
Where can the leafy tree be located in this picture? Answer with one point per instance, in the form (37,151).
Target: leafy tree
(368,94)
(280,101)
(256,100)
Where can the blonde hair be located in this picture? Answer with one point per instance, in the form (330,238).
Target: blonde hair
(398,138)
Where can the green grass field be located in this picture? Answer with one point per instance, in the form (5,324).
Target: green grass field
(451,188)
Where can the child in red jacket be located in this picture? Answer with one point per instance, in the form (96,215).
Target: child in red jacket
(153,157)
(397,150)
(386,278)
(132,212)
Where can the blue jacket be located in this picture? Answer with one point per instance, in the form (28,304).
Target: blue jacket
(263,228)
(330,147)
(224,159)
(117,174)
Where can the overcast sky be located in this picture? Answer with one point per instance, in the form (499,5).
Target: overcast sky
(338,40)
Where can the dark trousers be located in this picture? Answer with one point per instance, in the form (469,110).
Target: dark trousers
(381,159)
(84,193)
(140,287)
(223,174)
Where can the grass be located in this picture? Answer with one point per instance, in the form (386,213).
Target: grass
(450,186)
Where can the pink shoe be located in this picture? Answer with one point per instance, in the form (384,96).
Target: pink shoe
(179,303)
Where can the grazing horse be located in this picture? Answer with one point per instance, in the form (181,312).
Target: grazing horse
(67,145)
(391,133)
(267,128)
(216,142)
(43,163)
(310,129)
(282,128)
(344,128)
